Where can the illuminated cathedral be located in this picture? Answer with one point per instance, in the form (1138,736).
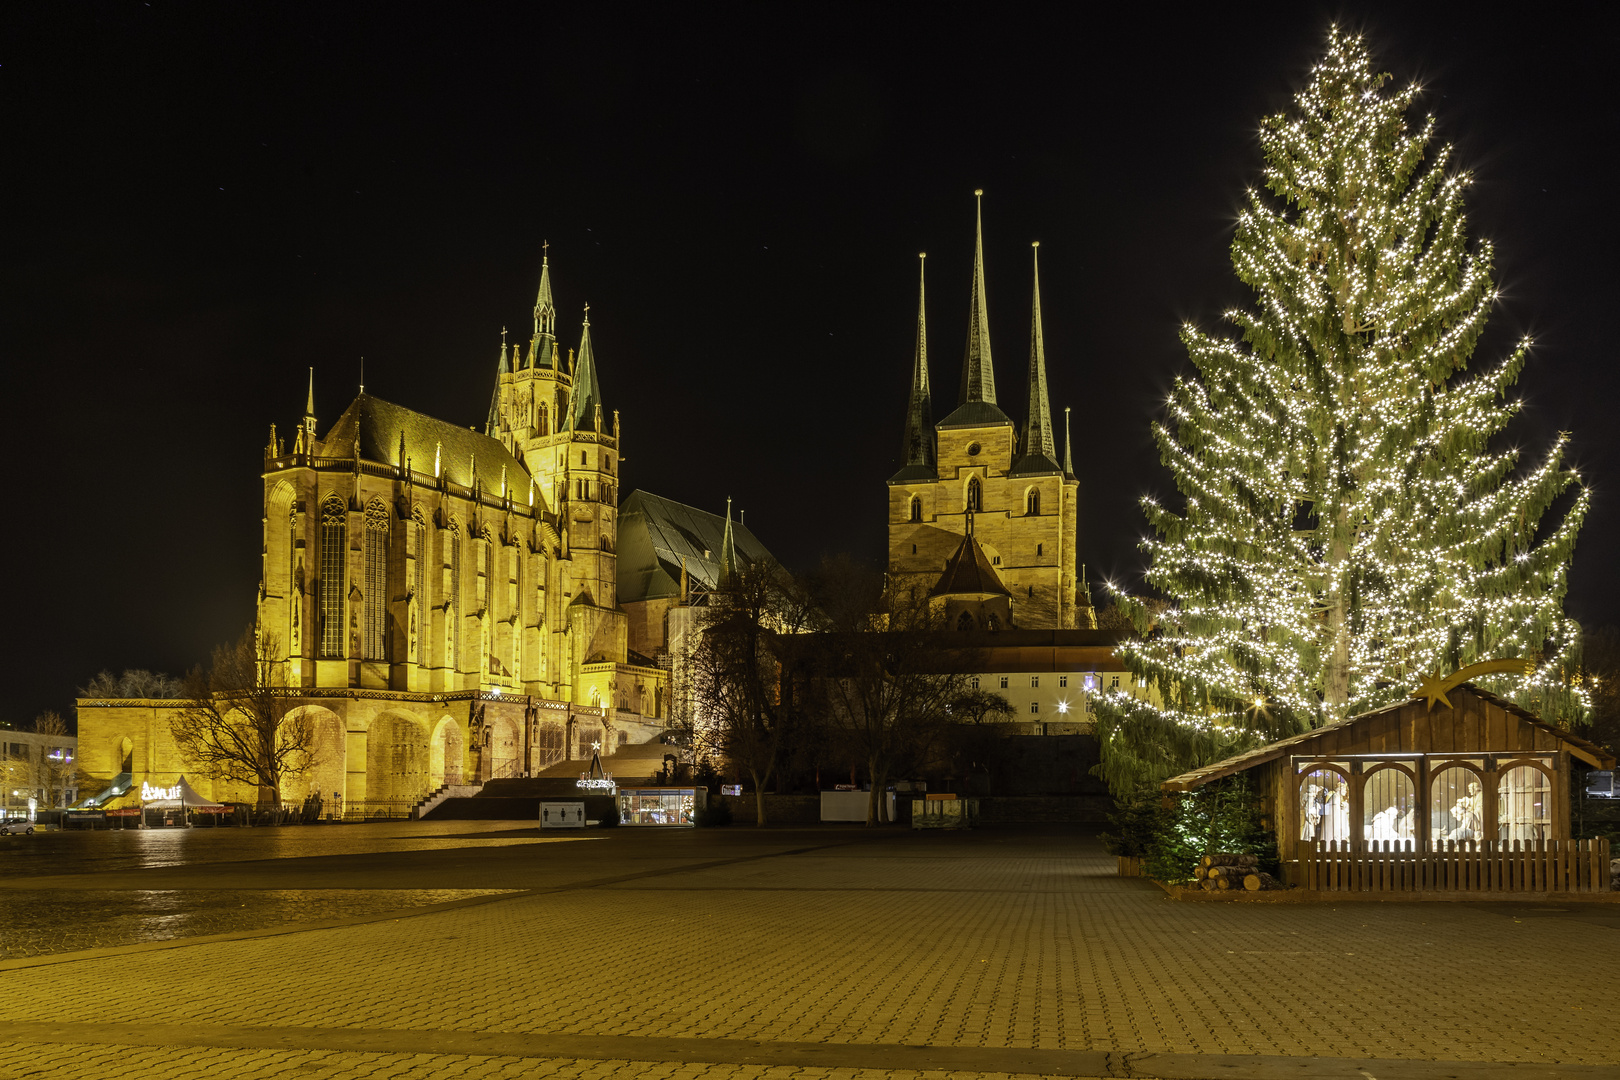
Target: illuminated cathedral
(444,597)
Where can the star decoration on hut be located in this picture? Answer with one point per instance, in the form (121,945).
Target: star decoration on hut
(1434,687)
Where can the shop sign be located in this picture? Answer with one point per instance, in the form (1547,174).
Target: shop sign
(731,789)
(153,794)
(602,783)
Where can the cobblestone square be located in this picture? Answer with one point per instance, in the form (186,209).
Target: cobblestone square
(489,950)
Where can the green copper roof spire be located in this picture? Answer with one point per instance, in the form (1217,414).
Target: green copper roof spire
(917,451)
(1038,429)
(587,394)
(1037,450)
(978,375)
(728,553)
(545,316)
(493,424)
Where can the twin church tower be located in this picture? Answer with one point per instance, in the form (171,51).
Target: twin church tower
(983,514)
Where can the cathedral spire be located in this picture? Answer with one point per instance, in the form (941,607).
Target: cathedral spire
(1038,429)
(493,425)
(544,343)
(978,375)
(587,413)
(919,439)
(728,553)
(309,412)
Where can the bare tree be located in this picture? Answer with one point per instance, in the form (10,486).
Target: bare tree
(735,672)
(55,766)
(133,683)
(880,678)
(238,720)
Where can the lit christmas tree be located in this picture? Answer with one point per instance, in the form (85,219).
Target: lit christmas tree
(1346,527)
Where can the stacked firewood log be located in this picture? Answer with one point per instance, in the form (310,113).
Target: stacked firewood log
(1232,872)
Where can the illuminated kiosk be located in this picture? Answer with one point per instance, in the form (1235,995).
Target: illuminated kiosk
(648,805)
(1469,796)
(677,806)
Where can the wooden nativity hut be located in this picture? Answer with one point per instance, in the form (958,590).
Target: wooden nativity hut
(1464,793)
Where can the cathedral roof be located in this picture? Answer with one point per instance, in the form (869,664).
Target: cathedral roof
(968,572)
(377,425)
(656,533)
(1034,465)
(911,474)
(975,414)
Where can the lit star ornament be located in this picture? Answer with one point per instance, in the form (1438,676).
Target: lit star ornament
(1435,688)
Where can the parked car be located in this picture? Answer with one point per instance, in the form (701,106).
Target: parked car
(9,828)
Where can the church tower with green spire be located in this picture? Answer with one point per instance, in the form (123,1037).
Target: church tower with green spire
(976,474)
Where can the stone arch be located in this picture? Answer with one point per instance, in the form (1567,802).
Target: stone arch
(328,768)
(446,753)
(915,512)
(396,761)
(973,496)
(125,752)
(1032,501)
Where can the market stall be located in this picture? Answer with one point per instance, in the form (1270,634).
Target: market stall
(175,806)
(1465,792)
(661,805)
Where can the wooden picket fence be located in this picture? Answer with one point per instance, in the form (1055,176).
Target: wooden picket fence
(1484,866)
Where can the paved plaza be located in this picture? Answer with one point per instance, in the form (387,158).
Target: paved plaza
(486,949)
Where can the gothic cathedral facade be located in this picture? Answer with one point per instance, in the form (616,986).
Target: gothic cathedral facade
(983,514)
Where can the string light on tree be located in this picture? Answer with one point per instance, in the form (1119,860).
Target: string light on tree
(1345,527)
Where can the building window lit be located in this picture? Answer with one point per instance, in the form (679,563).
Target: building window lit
(334,590)
(376,595)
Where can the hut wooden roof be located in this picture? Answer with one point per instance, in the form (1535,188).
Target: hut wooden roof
(1589,752)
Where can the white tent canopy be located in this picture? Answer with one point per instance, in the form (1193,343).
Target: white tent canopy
(180,795)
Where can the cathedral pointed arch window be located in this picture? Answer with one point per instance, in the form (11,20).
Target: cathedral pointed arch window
(418,583)
(452,602)
(975,496)
(916,508)
(375,638)
(334,582)
(1032,502)
(965,622)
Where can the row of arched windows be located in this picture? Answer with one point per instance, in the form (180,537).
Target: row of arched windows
(973,501)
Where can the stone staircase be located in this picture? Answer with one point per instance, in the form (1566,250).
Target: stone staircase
(432,799)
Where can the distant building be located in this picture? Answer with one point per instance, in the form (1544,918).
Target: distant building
(37,771)
(983,513)
(446,597)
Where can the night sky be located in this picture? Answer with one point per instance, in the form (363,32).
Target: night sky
(203,201)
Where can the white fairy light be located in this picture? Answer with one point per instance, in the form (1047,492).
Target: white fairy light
(1343,525)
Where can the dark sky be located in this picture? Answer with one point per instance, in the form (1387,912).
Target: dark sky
(202,201)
